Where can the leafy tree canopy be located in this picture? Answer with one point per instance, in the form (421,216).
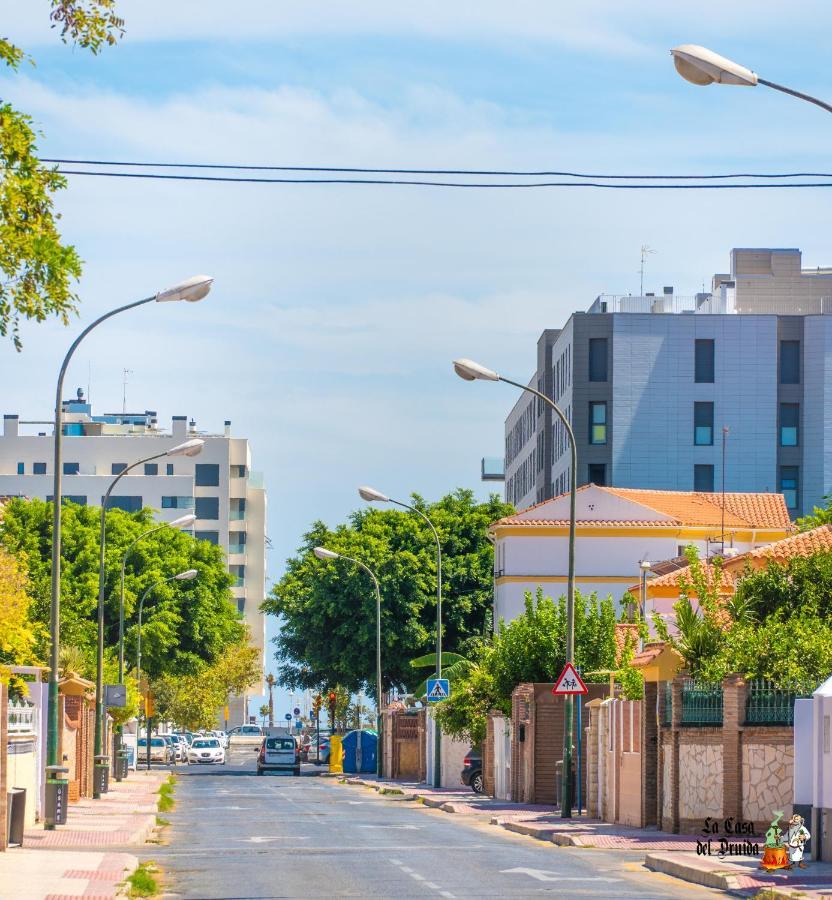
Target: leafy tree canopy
(184,623)
(328,610)
(37,269)
(19,635)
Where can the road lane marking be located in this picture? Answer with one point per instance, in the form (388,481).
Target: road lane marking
(547,875)
(399,827)
(417,877)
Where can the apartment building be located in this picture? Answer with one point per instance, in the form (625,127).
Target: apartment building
(654,385)
(217,485)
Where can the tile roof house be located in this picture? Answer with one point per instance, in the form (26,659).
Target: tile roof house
(664,590)
(616,529)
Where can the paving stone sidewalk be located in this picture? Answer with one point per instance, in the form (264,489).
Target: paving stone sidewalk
(83,858)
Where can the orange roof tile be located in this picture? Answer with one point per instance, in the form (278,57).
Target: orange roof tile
(685,508)
(672,579)
(805,543)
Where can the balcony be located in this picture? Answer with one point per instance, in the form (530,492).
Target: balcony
(492,468)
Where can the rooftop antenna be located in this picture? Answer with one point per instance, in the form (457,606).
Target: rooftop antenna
(125,373)
(645,251)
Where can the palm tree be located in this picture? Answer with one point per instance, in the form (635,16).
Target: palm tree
(454,667)
(271,681)
(264,711)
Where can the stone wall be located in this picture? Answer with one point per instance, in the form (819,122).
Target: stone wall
(700,781)
(768,773)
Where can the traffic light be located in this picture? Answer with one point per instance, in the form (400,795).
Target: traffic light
(331,699)
(317,703)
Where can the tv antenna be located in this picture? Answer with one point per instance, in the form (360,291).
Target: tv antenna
(645,252)
(125,373)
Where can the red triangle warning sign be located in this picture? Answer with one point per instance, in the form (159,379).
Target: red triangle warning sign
(570,682)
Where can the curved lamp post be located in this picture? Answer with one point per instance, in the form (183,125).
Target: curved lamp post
(328,555)
(371,495)
(472,371)
(191,290)
(187,575)
(702,66)
(188,448)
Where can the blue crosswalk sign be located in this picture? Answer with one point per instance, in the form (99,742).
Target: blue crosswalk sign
(438,689)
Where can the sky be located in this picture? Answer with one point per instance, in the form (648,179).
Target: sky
(336,310)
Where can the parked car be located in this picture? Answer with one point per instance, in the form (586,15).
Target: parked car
(182,746)
(322,754)
(279,754)
(175,750)
(206,750)
(159,750)
(245,737)
(472,773)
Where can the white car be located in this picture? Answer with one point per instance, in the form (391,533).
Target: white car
(206,750)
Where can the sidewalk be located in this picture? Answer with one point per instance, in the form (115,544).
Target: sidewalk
(672,854)
(45,868)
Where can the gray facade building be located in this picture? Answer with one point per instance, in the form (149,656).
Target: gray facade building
(650,384)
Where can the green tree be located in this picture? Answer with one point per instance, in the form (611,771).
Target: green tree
(185,623)
(37,269)
(328,610)
(19,635)
(464,716)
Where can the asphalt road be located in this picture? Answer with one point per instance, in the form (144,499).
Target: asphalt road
(237,836)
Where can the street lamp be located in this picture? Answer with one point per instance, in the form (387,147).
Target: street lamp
(645,565)
(187,575)
(702,66)
(181,522)
(371,495)
(191,290)
(471,371)
(189,448)
(329,555)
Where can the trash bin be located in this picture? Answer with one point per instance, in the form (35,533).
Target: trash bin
(121,764)
(57,796)
(101,775)
(360,751)
(16,816)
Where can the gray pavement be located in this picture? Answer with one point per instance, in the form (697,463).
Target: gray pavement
(237,836)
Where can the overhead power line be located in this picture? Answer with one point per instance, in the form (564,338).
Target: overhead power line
(617,185)
(543,173)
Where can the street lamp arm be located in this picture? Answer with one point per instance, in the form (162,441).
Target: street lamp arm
(807,97)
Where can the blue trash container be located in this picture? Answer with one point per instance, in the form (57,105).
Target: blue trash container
(360,751)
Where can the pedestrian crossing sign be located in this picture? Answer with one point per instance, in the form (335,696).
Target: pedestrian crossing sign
(438,689)
(570,682)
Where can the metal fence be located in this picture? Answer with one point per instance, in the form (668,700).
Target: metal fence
(767,704)
(667,721)
(701,703)
(22,718)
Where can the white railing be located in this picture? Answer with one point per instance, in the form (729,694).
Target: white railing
(22,718)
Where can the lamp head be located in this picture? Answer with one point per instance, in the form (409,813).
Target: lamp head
(371,494)
(183,521)
(702,66)
(323,553)
(190,448)
(473,371)
(190,290)
(645,565)
(187,575)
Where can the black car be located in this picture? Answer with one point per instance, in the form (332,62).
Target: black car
(472,773)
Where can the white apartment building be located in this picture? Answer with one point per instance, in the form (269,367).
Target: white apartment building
(217,485)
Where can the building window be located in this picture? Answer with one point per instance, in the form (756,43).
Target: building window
(21,468)
(597,473)
(177,502)
(704,362)
(79,499)
(207,507)
(241,604)
(128,504)
(169,469)
(151,468)
(236,542)
(598,422)
(206,475)
(789,362)
(703,424)
(789,424)
(38,468)
(237,509)
(239,575)
(238,472)
(790,485)
(703,481)
(597,359)
(213,537)
(118,468)
(71,468)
